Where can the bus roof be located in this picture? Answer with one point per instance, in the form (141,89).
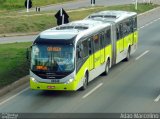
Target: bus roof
(111,15)
(72,29)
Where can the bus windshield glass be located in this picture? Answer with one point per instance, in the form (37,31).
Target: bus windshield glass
(52,58)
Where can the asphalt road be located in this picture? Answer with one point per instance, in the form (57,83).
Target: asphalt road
(132,86)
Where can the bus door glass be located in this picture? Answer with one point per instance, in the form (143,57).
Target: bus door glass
(102,46)
(127,33)
(121,38)
(113,38)
(135,30)
(82,53)
(119,42)
(91,56)
(131,31)
(97,53)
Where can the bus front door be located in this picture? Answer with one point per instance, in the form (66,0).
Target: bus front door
(91,56)
(102,47)
(97,52)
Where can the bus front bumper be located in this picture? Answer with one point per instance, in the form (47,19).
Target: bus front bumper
(47,86)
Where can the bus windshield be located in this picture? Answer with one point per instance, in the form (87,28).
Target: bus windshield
(52,58)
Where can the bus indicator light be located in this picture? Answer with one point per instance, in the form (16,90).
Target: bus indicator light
(41,67)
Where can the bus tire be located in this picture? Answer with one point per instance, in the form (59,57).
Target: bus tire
(106,72)
(85,82)
(128,54)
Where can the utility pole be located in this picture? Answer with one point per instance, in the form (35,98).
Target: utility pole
(27,5)
(62,15)
(93,2)
(136,4)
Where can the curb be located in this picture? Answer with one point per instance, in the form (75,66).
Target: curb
(22,11)
(62,3)
(20,34)
(14,85)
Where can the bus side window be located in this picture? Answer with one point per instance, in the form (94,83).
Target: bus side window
(102,40)
(96,42)
(79,57)
(131,25)
(90,43)
(135,24)
(82,50)
(85,50)
(125,29)
(122,31)
(118,33)
(79,52)
(108,37)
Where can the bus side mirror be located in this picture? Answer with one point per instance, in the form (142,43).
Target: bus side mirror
(28,53)
(79,54)
(90,50)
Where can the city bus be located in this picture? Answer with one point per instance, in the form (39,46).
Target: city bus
(69,56)
(124,32)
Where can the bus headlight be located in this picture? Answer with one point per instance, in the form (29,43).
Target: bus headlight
(33,79)
(69,81)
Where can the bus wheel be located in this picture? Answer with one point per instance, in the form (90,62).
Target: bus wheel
(106,72)
(128,55)
(85,82)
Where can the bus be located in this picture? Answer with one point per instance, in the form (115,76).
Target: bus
(69,56)
(124,32)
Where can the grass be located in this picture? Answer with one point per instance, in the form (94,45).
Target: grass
(6,5)
(37,23)
(13,64)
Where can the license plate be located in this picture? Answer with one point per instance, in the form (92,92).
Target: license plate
(55,81)
(50,87)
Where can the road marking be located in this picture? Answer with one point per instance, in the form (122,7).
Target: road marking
(157,99)
(92,90)
(13,96)
(142,54)
(149,23)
